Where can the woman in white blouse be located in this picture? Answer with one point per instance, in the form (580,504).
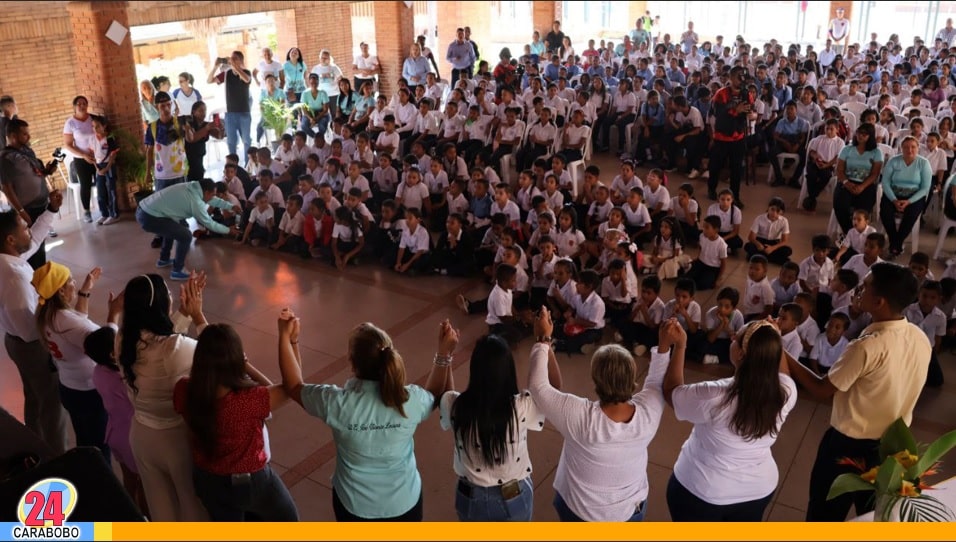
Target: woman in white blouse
(602,473)
(329,75)
(491,420)
(725,470)
(154,355)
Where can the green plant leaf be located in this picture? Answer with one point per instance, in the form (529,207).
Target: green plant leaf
(847,483)
(933,453)
(897,438)
(889,479)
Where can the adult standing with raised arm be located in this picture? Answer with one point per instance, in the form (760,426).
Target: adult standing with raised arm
(602,473)
(78,140)
(490,421)
(42,412)
(725,470)
(237,78)
(373,419)
(877,380)
(731,106)
(461,56)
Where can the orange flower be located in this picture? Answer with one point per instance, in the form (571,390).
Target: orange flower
(908,489)
(870,475)
(905,458)
(932,470)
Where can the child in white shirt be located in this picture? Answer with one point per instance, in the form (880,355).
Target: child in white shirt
(584,320)
(787,322)
(817,269)
(830,344)
(855,239)
(290,229)
(641,333)
(759,296)
(785,286)
(708,268)
(721,324)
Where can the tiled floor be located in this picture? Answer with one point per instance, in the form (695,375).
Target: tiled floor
(247,287)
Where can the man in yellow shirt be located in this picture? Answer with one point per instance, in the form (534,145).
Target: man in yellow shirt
(878,379)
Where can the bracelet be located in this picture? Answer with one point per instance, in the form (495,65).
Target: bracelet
(442,360)
(83,294)
(544,339)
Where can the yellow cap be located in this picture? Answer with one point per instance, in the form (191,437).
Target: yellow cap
(49,278)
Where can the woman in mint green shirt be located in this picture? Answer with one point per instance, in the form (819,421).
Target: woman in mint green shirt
(858,170)
(907,179)
(373,419)
(315,117)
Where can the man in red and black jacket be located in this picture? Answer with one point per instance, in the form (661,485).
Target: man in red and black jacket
(731,106)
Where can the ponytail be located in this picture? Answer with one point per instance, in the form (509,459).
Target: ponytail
(375,358)
(392,380)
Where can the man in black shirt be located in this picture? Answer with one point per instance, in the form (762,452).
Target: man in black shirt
(233,73)
(8,112)
(555,38)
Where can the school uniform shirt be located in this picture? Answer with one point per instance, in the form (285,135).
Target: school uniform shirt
(825,353)
(377,118)
(599,212)
(636,218)
(429,123)
(624,102)
(612,292)
(292,225)
(344,233)
(412,196)
(652,198)
(808,332)
(522,281)
(712,252)
(274,194)
(322,152)
(416,241)
(678,211)
(307,198)
(360,182)
(555,201)
(666,248)
(792,345)
(457,204)
(623,188)
(716,464)
(564,179)
(655,311)
(566,292)
(728,219)
(590,309)
(568,242)
(332,205)
(367,156)
(261,218)
(540,266)
(936,157)
(276,167)
(693,310)
(510,210)
(516,465)
(477,129)
(286,156)
(857,265)
(932,324)
(576,133)
(385,179)
(499,305)
(757,295)
(511,132)
(827,148)
(771,231)
(712,320)
(543,132)
(525,195)
(856,239)
(234,186)
(815,274)
(784,295)
(389,140)
(436,183)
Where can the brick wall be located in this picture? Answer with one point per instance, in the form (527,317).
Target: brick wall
(394,35)
(325,25)
(543,15)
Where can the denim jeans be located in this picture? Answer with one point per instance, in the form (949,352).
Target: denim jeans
(169,231)
(321,126)
(159,184)
(565,513)
(259,496)
(475,503)
(106,193)
(238,125)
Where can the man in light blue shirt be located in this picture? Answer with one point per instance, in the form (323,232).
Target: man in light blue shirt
(645,73)
(165,212)
(782,90)
(461,56)
(790,136)
(553,70)
(675,75)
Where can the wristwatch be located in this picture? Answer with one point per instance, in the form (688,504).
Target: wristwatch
(83,294)
(544,339)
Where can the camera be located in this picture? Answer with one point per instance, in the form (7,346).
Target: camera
(222,61)
(59,155)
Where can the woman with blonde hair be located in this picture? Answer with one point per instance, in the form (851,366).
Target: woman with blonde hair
(725,470)
(147,92)
(602,473)
(329,75)
(373,419)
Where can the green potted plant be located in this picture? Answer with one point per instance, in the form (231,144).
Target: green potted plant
(277,115)
(131,167)
(899,481)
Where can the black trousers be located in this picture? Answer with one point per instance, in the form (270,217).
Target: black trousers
(83,172)
(844,203)
(341,514)
(685,506)
(834,446)
(779,256)
(898,234)
(39,257)
(720,153)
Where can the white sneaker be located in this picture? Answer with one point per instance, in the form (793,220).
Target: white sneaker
(111,220)
(711,359)
(589,349)
(618,337)
(462,303)
(705,174)
(639,350)
(101,221)
(693,174)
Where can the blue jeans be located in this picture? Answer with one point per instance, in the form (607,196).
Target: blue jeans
(321,125)
(565,513)
(259,496)
(106,193)
(238,125)
(476,503)
(169,231)
(159,184)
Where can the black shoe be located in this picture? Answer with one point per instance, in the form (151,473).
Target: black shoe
(809,204)
(157,242)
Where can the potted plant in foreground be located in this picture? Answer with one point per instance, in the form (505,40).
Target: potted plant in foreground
(277,116)
(131,169)
(898,482)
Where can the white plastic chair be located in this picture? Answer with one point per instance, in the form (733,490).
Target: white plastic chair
(780,160)
(944,228)
(828,189)
(629,138)
(857,108)
(577,179)
(852,122)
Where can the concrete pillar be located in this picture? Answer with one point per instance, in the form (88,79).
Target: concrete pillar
(326,27)
(394,35)
(635,10)
(543,15)
(105,72)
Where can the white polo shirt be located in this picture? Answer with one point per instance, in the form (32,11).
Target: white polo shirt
(693,310)
(412,196)
(567,292)
(857,265)
(623,188)
(771,231)
(792,344)
(612,292)
(932,324)
(728,219)
(825,353)
(415,241)
(814,274)
(590,309)
(711,321)
(542,270)
(292,225)
(808,332)
(855,239)
(712,252)
(757,295)
(510,210)
(662,196)
(568,242)
(499,305)
(636,218)
(655,311)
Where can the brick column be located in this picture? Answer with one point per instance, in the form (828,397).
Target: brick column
(394,35)
(105,72)
(286,34)
(635,10)
(326,27)
(543,15)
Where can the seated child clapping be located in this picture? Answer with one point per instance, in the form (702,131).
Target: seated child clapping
(261,222)
(584,319)
(641,332)
(721,324)
(708,268)
(290,228)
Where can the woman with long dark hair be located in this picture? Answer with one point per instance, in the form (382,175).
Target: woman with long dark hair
(490,421)
(225,402)
(858,171)
(725,470)
(294,71)
(373,419)
(153,356)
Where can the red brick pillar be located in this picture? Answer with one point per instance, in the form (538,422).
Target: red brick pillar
(104,71)
(324,27)
(543,15)
(394,36)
